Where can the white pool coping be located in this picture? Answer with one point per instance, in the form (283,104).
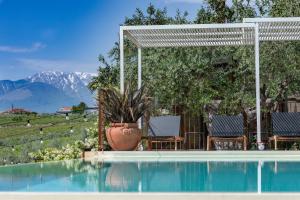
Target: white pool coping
(149,196)
(161,156)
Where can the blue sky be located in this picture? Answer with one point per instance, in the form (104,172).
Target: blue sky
(65,35)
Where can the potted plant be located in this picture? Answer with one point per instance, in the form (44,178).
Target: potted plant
(123,111)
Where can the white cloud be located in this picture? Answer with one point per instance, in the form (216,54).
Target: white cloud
(185,1)
(57,65)
(13,49)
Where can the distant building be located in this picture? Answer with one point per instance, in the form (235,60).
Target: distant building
(17,111)
(64,110)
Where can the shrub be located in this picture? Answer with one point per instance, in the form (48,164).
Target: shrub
(17,119)
(53,154)
(70,151)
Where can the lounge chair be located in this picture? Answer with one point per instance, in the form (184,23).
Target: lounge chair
(285,127)
(227,128)
(164,130)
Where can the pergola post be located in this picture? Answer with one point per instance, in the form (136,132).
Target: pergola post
(121,46)
(139,77)
(257,85)
(139,67)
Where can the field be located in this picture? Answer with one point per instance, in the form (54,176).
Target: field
(17,139)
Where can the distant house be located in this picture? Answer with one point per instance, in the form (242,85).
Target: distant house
(64,110)
(17,111)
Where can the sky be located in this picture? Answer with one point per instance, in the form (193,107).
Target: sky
(66,35)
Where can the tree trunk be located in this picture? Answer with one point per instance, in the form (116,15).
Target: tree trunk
(100,120)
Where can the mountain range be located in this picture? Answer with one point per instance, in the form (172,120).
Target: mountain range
(46,92)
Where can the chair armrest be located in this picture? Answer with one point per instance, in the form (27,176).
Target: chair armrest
(188,132)
(254,133)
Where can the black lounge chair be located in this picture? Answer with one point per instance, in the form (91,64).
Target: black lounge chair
(285,127)
(227,128)
(164,129)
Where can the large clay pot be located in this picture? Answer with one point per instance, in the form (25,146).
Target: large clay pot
(123,136)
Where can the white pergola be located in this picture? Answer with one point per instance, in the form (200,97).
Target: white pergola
(250,32)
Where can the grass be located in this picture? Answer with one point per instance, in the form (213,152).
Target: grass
(17,140)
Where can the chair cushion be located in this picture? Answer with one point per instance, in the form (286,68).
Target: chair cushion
(164,126)
(286,124)
(227,126)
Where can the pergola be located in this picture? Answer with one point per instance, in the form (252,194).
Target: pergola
(250,32)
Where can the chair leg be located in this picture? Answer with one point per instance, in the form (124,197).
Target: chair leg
(208,143)
(275,142)
(245,143)
(149,144)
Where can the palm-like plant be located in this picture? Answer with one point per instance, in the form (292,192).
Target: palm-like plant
(125,107)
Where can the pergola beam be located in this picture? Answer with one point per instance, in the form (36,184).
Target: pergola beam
(188,26)
(271,19)
(198,44)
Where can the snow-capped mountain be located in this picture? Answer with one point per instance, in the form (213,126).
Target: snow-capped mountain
(38,97)
(46,91)
(85,77)
(74,84)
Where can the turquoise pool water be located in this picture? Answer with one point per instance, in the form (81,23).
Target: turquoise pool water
(82,176)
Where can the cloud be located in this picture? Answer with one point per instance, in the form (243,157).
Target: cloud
(57,65)
(13,49)
(185,1)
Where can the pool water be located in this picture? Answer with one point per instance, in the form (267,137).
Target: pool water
(209,176)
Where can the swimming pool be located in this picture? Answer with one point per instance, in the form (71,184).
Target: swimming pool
(153,176)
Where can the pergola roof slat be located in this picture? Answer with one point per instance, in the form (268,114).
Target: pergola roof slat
(270,29)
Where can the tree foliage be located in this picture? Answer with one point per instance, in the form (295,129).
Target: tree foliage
(107,75)
(80,108)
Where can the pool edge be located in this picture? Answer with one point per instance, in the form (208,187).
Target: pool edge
(148,196)
(194,155)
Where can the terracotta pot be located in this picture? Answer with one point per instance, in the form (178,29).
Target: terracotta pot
(123,136)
